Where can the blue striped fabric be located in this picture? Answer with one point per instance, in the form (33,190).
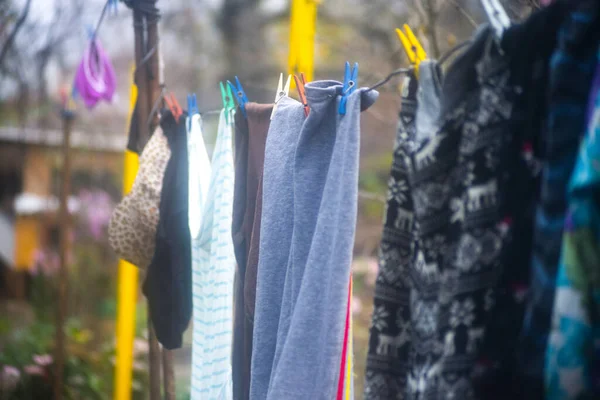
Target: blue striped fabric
(213,265)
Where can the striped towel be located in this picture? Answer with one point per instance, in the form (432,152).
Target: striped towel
(213,263)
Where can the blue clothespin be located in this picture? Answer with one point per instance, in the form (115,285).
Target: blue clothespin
(192,108)
(90,31)
(240,95)
(74,93)
(350,84)
(113,5)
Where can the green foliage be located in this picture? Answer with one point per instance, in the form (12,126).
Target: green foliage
(24,343)
(88,370)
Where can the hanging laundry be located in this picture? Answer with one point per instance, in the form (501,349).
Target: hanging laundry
(95,78)
(529,47)
(458,215)
(309,214)
(168,284)
(211,204)
(388,361)
(573,356)
(275,239)
(250,138)
(465,282)
(132,227)
(571,72)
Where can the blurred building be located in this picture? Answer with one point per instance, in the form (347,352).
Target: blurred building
(30,166)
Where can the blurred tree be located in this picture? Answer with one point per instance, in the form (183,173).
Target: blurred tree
(7,15)
(11,22)
(30,44)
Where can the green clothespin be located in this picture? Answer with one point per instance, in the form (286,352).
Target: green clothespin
(228,102)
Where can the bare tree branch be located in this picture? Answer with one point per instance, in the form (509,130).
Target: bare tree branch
(432,16)
(13,34)
(464,12)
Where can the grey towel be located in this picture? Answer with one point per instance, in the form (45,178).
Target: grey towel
(275,238)
(310,322)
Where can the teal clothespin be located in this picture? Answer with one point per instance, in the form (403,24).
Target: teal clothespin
(350,84)
(227,97)
(240,95)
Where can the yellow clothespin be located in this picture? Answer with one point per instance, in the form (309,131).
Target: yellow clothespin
(412,47)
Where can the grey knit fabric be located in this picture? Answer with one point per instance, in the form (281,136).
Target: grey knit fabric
(428,98)
(311,286)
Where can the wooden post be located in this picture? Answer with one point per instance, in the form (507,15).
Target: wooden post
(64,221)
(155,361)
(153,73)
(146,40)
(168,374)
(141,76)
(153,93)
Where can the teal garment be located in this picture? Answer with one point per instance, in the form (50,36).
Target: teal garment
(573,354)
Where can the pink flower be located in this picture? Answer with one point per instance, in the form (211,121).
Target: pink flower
(43,360)
(139,366)
(45,262)
(356,305)
(140,346)
(97,207)
(9,377)
(372,270)
(33,370)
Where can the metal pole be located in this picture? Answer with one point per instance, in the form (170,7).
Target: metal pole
(64,221)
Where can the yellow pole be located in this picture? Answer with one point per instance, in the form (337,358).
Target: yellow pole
(293,51)
(303,22)
(127,290)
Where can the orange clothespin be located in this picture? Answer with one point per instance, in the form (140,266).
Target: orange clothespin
(300,82)
(174,106)
(413,48)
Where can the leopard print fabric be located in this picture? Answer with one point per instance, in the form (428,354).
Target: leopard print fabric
(132,228)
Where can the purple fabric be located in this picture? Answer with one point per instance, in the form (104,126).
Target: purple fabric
(95,79)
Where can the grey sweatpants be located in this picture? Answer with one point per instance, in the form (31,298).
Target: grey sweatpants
(306,254)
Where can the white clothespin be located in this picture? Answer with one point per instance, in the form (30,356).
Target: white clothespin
(281,91)
(497,16)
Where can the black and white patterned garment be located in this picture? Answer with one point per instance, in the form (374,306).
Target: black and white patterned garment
(473,186)
(428,346)
(456,182)
(389,343)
